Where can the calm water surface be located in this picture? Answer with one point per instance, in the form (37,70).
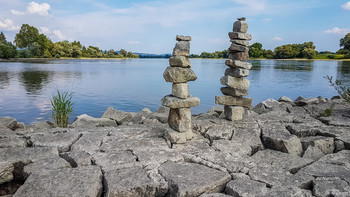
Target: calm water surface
(131,85)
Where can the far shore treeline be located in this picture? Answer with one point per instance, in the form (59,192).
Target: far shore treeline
(29,43)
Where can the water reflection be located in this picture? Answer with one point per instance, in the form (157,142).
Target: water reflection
(4,80)
(294,65)
(343,72)
(256,64)
(34,81)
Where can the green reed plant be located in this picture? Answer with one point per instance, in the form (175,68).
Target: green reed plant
(343,91)
(62,107)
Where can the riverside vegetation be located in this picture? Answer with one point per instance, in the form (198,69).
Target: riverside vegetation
(62,107)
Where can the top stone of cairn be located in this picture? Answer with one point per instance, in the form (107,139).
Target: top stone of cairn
(240,26)
(183,38)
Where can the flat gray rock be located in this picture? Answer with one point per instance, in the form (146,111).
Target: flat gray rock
(218,132)
(182,48)
(179,75)
(13,141)
(62,141)
(230,100)
(238,64)
(288,192)
(249,136)
(89,142)
(129,182)
(75,182)
(118,116)
(214,195)
(313,152)
(115,159)
(325,144)
(179,61)
(174,102)
(240,36)
(78,158)
(85,121)
(53,162)
(8,122)
(235,82)
(26,155)
(330,186)
(183,38)
(189,179)
(246,188)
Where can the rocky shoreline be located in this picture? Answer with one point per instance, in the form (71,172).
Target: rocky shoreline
(280,148)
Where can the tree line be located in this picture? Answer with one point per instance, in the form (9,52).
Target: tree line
(289,51)
(29,43)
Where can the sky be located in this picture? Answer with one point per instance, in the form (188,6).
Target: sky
(151,26)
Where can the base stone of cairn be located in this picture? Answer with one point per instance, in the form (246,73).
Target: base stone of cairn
(236,85)
(180,102)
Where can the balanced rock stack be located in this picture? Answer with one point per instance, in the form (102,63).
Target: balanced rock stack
(180,102)
(236,85)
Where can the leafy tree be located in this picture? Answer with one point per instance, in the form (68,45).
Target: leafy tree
(284,52)
(7,50)
(255,50)
(45,45)
(268,54)
(76,52)
(26,36)
(309,53)
(123,52)
(2,37)
(345,42)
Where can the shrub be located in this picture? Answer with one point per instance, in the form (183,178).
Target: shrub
(62,107)
(326,113)
(343,91)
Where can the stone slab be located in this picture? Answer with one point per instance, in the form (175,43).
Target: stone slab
(183,38)
(62,141)
(174,102)
(239,36)
(238,64)
(8,122)
(179,75)
(246,187)
(234,101)
(233,91)
(179,61)
(235,82)
(117,115)
(85,121)
(240,42)
(236,72)
(241,56)
(325,144)
(234,48)
(176,137)
(182,48)
(6,172)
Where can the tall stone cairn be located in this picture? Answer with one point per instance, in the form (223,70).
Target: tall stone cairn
(180,102)
(236,85)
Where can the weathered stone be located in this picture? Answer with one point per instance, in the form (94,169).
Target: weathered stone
(285,161)
(277,137)
(288,191)
(182,48)
(26,155)
(146,110)
(241,56)
(173,102)
(13,141)
(325,144)
(114,159)
(183,38)
(129,182)
(179,61)
(180,119)
(163,110)
(245,188)
(307,101)
(240,42)
(234,82)
(236,72)
(237,101)
(234,92)
(89,142)
(238,64)
(239,36)
(86,181)
(328,186)
(85,121)
(323,169)
(218,132)
(234,48)
(216,109)
(214,195)
(304,129)
(339,158)
(20,125)
(232,147)
(118,116)
(6,170)
(240,26)
(339,145)
(78,158)
(180,90)
(337,121)
(285,99)
(190,179)
(53,162)
(250,135)
(8,122)
(313,152)
(175,137)
(234,112)
(179,75)
(43,125)
(62,141)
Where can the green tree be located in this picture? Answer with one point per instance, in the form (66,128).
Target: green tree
(309,53)
(26,36)
(2,37)
(45,45)
(345,42)
(123,52)
(7,50)
(255,50)
(76,52)
(268,54)
(284,52)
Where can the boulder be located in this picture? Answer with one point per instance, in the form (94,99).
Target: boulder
(182,48)
(8,122)
(234,112)
(13,141)
(53,162)
(26,155)
(129,182)
(277,137)
(235,82)
(241,56)
(180,90)
(218,132)
(307,101)
(179,75)
(89,142)
(6,172)
(234,101)
(238,64)
(85,121)
(240,26)
(285,99)
(240,42)
(239,36)
(246,188)
(179,61)
(330,186)
(118,116)
(174,102)
(78,158)
(325,144)
(175,137)
(62,141)
(180,119)
(237,48)
(313,152)
(236,72)
(250,135)
(234,92)
(86,181)
(183,38)
(288,192)
(190,179)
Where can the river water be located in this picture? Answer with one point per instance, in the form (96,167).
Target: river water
(132,84)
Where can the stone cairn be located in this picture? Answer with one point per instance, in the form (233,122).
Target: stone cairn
(236,85)
(180,102)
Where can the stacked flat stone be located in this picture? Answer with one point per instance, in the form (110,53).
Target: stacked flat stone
(180,102)
(236,85)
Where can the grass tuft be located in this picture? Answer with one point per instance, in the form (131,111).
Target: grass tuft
(62,107)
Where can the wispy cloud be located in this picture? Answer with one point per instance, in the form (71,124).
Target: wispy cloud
(337,30)
(277,38)
(57,34)
(346,6)
(8,25)
(34,8)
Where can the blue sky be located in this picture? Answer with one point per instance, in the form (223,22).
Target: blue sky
(151,26)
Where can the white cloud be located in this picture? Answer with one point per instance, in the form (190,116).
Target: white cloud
(44,30)
(133,42)
(8,25)
(34,8)
(59,34)
(346,6)
(55,33)
(337,30)
(277,38)
(256,5)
